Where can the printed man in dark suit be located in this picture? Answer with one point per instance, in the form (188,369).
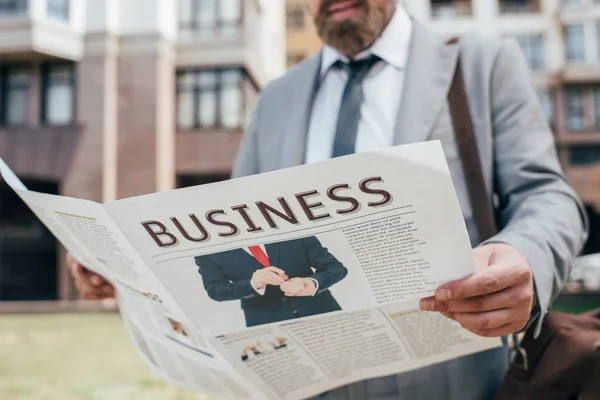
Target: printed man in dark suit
(275,282)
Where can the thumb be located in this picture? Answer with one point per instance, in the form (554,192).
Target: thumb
(483,257)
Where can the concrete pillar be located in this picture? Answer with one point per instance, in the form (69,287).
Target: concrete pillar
(146,87)
(35,95)
(92,174)
(146,126)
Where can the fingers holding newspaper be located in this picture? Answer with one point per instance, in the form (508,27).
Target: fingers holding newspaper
(90,285)
(494,301)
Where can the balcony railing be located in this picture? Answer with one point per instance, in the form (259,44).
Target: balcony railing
(451,9)
(519,7)
(13,7)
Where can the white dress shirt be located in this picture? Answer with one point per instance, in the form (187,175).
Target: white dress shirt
(382,89)
(262,247)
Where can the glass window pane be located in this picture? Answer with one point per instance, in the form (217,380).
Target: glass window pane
(229,10)
(533,50)
(574,109)
(598,39)
(18,77)
(13,7)
(17,96)
(206,14)
(18,106)
(185,11)
(597,107)
(250,97)
(185,109)
(230,77)
(207,109)
(185,80)
(59,95)
(208,19)
(584,155)
(547,104)
(231,106)
(58,9)
(59,105)
(575,43)
(207,79)
(230,31)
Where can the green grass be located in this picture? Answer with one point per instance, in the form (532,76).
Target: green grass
(75,357)
(576,304)
(90,357)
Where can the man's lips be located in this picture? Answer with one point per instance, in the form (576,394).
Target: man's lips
(343,9)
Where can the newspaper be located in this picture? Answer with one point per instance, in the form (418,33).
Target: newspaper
(282,285)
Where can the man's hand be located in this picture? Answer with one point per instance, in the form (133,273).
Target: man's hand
(299,287)
(90,285)
(494,301)
(268,276)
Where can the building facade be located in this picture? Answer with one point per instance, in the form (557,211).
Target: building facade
(301,37)
(561,42)
(115,98)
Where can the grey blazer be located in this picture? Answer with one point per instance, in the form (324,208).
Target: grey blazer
(538,212)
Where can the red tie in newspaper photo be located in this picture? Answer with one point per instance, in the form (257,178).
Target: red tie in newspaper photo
(260,256)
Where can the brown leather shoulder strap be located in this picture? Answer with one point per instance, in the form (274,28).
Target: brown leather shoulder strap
(471,163)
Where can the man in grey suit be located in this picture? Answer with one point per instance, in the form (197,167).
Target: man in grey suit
(382,79)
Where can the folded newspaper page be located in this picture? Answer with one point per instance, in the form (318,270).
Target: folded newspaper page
(286,284)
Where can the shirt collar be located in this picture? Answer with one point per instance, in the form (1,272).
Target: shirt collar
(392,46)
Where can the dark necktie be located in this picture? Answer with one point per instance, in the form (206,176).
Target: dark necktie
(263,259)
(349,116)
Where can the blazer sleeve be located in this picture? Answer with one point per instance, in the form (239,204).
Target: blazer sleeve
(328,269)
(539,212)
(217,284)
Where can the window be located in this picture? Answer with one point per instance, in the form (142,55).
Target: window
(15,95)
(28,251)
(547,103)
(207,19)
(575,43)
(250,98)
(519,6)
(442,9)
(13,7)
(295,17)
(231,99)
(574,109)
(580,155)
(58,9)
(58,93)
(598,39)
(596,92)
(211,99)
(533,49)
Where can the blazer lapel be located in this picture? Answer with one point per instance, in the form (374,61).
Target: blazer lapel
(301,98)
(428,76)
(273,253)
(244,258)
